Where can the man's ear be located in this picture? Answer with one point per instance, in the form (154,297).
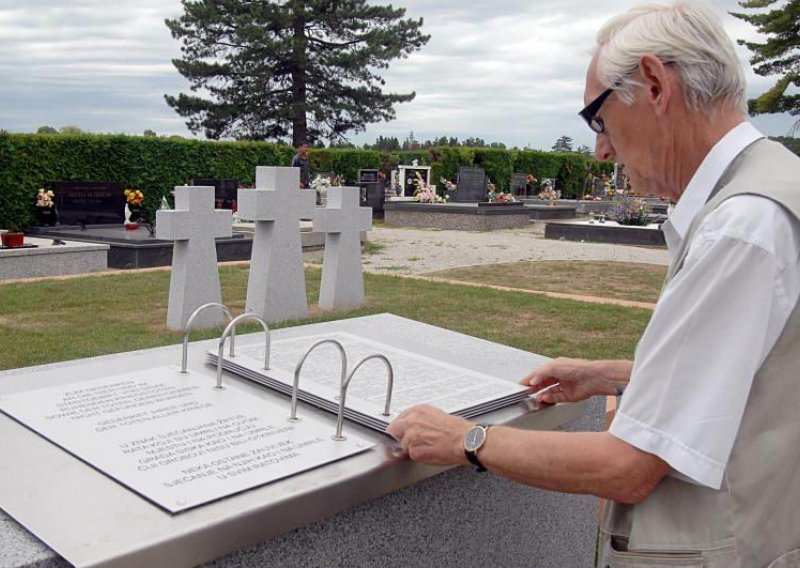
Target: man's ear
(659,87)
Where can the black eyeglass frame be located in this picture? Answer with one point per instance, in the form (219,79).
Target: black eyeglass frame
(589,112)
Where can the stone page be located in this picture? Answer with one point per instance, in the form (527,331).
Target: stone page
(174,439)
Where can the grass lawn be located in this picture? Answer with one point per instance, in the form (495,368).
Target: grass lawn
(618,280)
(56,320)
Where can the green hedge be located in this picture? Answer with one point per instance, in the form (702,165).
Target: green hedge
(157,165)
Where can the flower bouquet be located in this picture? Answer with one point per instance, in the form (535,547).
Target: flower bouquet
(133,208)
(631,211)
(46,207)
(425,193)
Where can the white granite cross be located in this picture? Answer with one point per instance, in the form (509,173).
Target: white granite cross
(276,290)
(193,225)
(342,221)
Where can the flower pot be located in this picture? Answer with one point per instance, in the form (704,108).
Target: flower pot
(131,226)
(12,239)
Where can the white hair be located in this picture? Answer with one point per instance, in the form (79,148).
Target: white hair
(685,33)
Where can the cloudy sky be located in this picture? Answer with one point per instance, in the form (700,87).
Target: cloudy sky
(504,70)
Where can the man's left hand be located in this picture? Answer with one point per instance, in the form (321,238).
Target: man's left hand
(430,436)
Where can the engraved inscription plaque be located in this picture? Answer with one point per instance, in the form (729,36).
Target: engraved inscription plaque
(174,439)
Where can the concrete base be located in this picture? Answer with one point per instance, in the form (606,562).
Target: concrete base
(546,212)
(456,216)
(52,260)
(608,232)
(137,249)
(604,206)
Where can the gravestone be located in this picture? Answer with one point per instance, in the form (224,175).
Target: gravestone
(342,221)
(89,202)
(193,225)
(519,184)
(225,191)
(371,190)
(407,176)
(276,289)
(471,185)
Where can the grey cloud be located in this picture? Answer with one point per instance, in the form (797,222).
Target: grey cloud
(506,70)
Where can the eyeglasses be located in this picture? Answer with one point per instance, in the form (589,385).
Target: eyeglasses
(589,113)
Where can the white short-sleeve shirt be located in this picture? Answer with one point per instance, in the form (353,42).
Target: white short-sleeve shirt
(713,325)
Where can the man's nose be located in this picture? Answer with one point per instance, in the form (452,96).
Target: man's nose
(603,150)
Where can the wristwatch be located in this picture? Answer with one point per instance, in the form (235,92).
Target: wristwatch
(473,441)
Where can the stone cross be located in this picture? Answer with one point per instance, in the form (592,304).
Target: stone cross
(193,225)
(276,289)
(342,221)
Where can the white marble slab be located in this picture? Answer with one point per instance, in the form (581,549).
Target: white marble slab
(173,438)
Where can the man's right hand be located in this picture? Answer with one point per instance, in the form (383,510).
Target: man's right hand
(579,379)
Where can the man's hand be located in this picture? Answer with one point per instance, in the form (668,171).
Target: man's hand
(430,436)
(578,379)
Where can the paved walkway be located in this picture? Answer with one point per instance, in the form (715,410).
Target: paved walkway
(419,251)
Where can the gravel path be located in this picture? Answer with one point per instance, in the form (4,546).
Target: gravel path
(417,251)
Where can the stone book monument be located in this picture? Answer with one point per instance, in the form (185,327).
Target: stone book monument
(193,225)
(342,221)
(276,289)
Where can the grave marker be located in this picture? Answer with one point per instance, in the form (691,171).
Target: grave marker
(193,226)
(471,185)
(89,202)
(519,184)
(342,221)
(225,191)
(276,289)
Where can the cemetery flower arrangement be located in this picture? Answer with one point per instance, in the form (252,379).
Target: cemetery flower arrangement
(548,193)
(504,198)
(44,199)
(448,185)
(321,183)
(631,210)
(426,193)
(134,197)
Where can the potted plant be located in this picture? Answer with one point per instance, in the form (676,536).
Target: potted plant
(15,218)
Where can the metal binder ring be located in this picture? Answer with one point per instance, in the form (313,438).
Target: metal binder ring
(188,327)
(293,416)
(343,392)
(229,330)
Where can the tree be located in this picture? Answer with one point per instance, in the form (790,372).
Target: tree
(585,150)
(563,144)
(149,132)
(70,129)
(778,55)
(46,130)
(300,68)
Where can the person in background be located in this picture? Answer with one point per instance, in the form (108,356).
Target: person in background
(701,461)
(300,160)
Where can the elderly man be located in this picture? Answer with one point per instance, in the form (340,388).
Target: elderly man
(702,460)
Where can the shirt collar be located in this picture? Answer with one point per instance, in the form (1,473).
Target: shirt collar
(704,180)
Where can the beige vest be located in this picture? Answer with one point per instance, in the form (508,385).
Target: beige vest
(754,519)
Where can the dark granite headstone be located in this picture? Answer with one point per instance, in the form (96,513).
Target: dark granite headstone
(471,185)
(368,176)
(371,190)
(89,202)
(411,176)
(519,184)
(224,191)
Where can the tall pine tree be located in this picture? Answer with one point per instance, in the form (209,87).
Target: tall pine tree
(778,55)
(263,69)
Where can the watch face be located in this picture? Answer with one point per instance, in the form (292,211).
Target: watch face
(474,438)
